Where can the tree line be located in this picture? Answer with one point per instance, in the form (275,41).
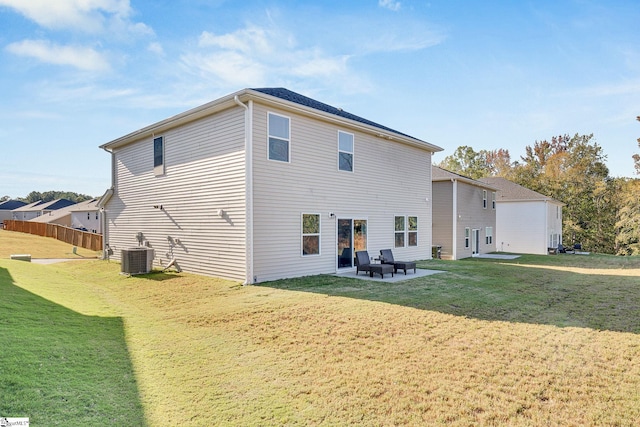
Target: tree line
(601,212)
(49,196)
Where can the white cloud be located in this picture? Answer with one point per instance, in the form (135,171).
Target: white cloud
(319,66)
(83,58)
(156,48)
(91,16)
(249,40)
(390,4)
(230,67)
(254,56)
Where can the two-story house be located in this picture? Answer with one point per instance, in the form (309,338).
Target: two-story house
(464,215)
(265,184)
(528,222)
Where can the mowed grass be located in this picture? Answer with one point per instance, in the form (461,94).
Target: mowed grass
(549,340)
(12,242)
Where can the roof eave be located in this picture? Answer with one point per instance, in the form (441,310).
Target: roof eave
(245,95)
(310,111)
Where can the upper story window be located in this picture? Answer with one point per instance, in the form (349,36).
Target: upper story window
(345,151)
(484,199)
(158,155)
(493,200)
(279,137)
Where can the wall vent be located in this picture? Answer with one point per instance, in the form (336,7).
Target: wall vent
(137,260)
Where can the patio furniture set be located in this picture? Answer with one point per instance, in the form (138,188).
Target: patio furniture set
(387,264)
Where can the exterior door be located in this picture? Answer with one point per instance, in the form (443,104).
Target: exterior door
(475,242)
(352,237)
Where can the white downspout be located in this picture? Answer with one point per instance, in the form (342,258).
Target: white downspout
(248,153)
(103,211)
(454,228)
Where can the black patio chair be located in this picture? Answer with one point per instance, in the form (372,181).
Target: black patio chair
(362,262)
(386,257)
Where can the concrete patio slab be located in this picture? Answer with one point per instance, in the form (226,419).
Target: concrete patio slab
(398,277)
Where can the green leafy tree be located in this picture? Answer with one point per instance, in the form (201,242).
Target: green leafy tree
(49,196)
(466,161)
(628,220)
(636,157)
(573,171)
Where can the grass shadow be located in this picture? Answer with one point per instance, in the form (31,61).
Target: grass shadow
(522,290)
(59,367)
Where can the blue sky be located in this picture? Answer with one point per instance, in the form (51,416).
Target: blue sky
(75,74)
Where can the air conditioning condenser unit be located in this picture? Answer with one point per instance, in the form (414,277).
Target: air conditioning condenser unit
(137,260)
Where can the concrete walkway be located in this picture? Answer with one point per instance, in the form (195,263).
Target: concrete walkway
(57,260)
(497,256)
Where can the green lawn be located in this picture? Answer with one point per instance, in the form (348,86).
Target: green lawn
(540,340)
(59,366)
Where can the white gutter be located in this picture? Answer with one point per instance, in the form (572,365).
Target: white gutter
(248,164)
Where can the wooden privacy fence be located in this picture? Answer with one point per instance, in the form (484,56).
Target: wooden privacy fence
(69,235)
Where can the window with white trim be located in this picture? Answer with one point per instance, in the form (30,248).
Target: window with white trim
(412,232)
(493,200)
(400,229)
(488,235)
(345,151)
(310,234)
(158,155)
(279,144)
(484,199)
(467,237)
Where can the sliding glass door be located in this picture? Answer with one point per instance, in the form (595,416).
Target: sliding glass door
(352,237)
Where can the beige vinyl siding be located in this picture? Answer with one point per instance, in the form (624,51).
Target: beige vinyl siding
(472,214)
(443,217)
(204,172)
(389,179)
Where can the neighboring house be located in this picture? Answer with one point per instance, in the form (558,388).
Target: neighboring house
(265,184)
(464,215)
(7,207)
(83,216)
(26,212)
(39,208)
(86,216)
(527,222)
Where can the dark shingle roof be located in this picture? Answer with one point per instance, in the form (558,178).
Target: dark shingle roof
(286,94)
(10,205)
(509,190)
(440,174)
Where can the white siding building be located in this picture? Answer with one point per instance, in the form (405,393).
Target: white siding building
(266,184)
(527,222)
